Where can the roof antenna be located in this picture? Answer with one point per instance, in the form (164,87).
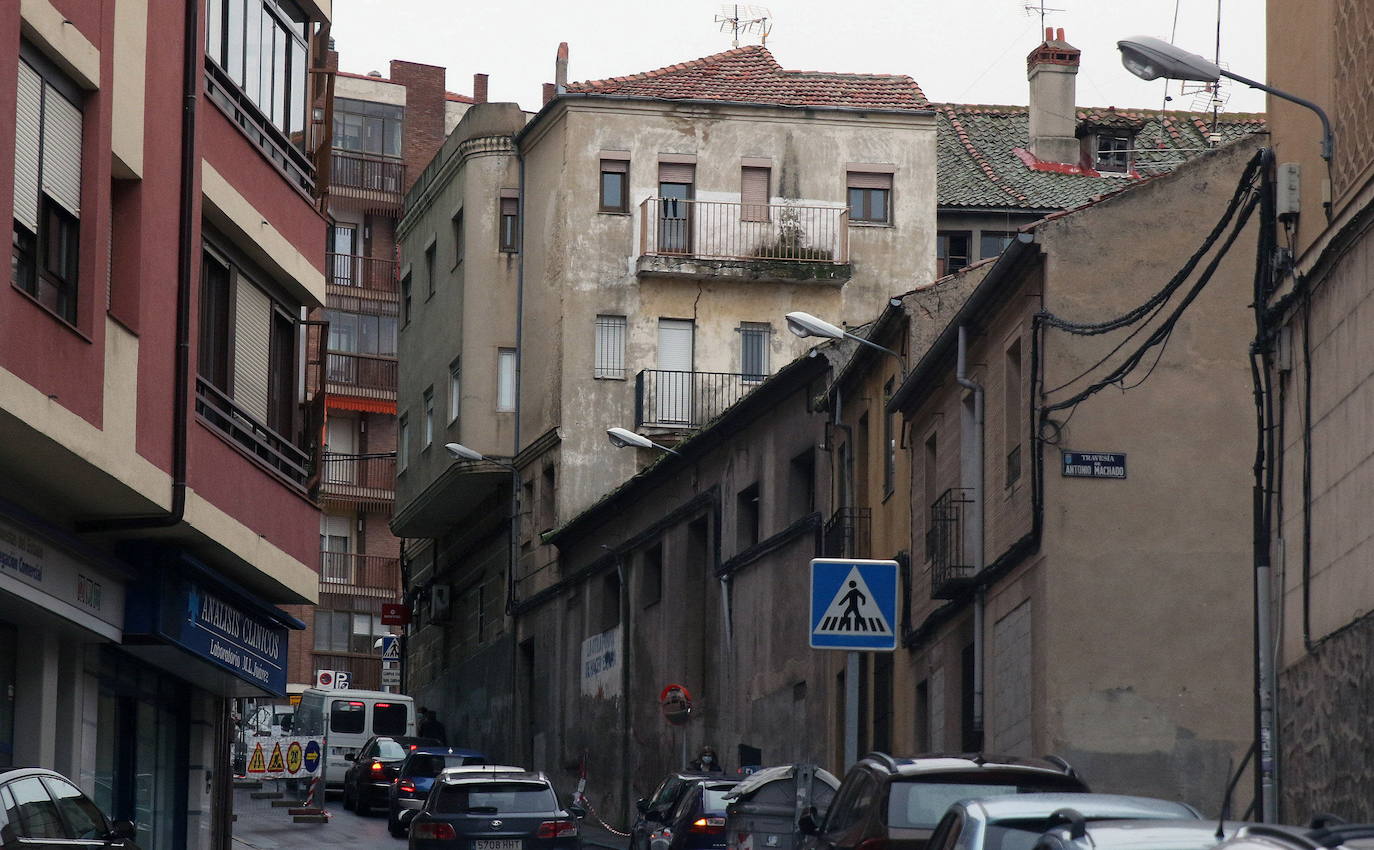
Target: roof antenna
(1038,7)
(738,18)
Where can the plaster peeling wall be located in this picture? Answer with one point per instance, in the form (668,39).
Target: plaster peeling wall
(1011,682)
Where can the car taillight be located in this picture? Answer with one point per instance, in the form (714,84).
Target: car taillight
(557,829)
(708,825)
(436,831)
(377,770)
(406,787)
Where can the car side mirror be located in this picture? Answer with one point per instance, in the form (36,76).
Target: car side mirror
(807,822)
(406,816)
(643,806)
(576,811)
(122,830)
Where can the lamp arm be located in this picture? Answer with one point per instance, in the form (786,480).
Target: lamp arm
(900,360)
(1328,141)
(664,448)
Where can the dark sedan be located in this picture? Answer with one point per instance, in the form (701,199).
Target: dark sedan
(41,808)
(493,811)
(367,782)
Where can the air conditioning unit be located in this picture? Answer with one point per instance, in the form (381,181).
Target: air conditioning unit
(439,603)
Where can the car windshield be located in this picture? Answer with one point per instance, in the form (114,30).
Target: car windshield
(920,805)
(713,799)
(428,766)
(491,798)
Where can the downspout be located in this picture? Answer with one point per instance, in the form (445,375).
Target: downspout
(851,666)
(625,639)
(190,78)
(971,478)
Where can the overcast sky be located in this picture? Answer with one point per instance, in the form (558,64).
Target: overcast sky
(962,51)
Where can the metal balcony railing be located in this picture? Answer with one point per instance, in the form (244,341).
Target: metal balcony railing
(725,230)
(369,181)
(358,272)
(360,575)
(370,375)
(667,399)
(274,451)
(846,533)
(360,479)
(951,567)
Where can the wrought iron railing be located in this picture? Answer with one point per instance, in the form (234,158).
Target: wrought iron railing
(671,399)
(363,371)
(367,177)
(951,568)
(265,445)
(846,533)
(724,230)
(358,272)
(363,575)
(359,478)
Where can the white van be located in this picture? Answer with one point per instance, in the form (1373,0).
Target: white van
(348,718)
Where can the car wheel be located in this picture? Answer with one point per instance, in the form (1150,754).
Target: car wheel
(394,827)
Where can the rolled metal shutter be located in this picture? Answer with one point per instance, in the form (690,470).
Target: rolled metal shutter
(27,133)
(62,151)
(252,349)
(676,172)
(754,193)
(869,180)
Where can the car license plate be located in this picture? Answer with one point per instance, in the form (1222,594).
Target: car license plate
(496,844)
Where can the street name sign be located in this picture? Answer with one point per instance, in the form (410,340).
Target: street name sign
(853,604)
(1094,465)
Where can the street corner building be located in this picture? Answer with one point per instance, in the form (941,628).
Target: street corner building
(159,387)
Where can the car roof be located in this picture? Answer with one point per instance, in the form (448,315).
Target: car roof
(1009,807)
(16,772)
(526,776)
(1155,834)
(1287,837)
(441,750)
(969,762)
(487,771)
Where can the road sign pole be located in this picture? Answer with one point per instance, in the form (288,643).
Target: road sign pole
(851,709)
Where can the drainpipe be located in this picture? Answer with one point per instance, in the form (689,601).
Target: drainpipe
(190,94)
(971,478)
(851,664)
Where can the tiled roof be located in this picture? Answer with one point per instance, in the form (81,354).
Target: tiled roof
(751,75)
(458,98)
(984,159)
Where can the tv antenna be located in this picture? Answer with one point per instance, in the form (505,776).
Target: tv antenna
(1038,7)
(738,18)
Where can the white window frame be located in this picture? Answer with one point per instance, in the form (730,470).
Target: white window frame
(403,442)
(429,418)
(455,388)
(505,380)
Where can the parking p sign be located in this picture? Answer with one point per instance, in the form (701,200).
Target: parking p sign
(853,604)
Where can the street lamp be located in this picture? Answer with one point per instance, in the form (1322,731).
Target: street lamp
(458,451)
(623,438)
(806,325)
(1151,58)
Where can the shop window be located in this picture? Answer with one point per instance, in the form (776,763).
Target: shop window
(347,716)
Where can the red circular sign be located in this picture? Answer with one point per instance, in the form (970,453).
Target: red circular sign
(663,694)
(326,678)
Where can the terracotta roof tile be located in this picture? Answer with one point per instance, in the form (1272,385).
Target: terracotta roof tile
(751,75)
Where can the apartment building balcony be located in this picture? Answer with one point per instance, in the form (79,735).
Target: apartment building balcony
(776,243)
(846,533)
(362,278)
(360,375)
(279,454)
(952,569)
(363,480)
(686,401)
(367,182)
(344,573)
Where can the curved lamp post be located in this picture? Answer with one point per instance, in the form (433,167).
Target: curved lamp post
(624,438)
(806,325)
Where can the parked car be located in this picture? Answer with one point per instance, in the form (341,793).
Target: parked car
(41,808)
(1326,832)
(698,821)
(416,776)
(1078,833)
(367,782)
(654,811)
(492,810)
(1017,821)
(900,800)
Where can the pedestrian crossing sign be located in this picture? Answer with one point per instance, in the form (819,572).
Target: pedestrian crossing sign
(853,604)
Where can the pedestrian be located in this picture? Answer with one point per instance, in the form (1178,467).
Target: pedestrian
(429,726)
(706,761)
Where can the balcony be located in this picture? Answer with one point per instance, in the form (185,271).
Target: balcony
(951,568)
(366,182)
(357,276)
(277,453)
(360,575)
(685,401)
(846,533)
(361,375)
(779,243)
(366,480)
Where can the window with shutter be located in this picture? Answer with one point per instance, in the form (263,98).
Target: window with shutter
(610,347)
(252,349)
(615,179)
(754,193)
(753,359)
(510,224)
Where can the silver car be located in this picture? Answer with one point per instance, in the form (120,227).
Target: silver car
(1016,821)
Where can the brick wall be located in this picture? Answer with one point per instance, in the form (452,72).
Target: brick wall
(299,666)
(425,99)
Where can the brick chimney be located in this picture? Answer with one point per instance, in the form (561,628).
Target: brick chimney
(426,99)
(1052,69)
(479,88)
(550,92)
(560,68)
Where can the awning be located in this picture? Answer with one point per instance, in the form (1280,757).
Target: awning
(364,405)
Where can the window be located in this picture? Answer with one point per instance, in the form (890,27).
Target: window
(459,238)
(37,813)
(676,189)
(429,268)
(261,46)
(1012,408)
(991,243)
(870,197)
(651,576)
(747,517)
(367,127)
(360,333)
(753,193)
(505,379)
(405,300)
(801,484)
(889,442)
(82,816)
(216,296)
(403,443)
(929,474)
(951,251)
(1113,152)
(429,418)
(349,716)
(510,225)
(615,189)
(610,347)
(47,188)
(753,353)
(455,387)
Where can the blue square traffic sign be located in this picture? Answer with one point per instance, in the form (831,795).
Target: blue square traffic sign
(853,604)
